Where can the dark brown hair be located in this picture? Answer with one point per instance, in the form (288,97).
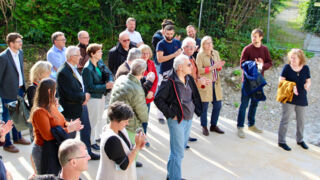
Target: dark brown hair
(166,22)
(42,98)
(93,48)
(11,37)
(119,111)
(169,28)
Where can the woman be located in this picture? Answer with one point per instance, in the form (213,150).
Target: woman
(209,64)
(118,153)
(97,82)
(146,55)
(44,116)
(39,71)
(295,71)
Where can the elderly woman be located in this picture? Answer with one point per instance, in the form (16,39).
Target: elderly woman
(118,153)
(45,115)
(97,82)
(146,55)
(209,64)
(298,72)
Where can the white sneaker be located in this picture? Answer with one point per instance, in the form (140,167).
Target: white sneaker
(241,133)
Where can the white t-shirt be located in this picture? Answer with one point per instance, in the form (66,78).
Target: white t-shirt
(135,36)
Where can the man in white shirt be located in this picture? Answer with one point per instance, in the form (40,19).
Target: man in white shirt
(135,36)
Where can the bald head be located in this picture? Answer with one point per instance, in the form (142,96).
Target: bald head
(124,40)
(83,37)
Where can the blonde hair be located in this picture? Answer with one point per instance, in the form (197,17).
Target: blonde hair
(299,54)
(38,70)
(144,48)
(204,39)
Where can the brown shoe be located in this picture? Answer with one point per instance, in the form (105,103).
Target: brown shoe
(216,129)
(205,131)
(12,148)
(22,141)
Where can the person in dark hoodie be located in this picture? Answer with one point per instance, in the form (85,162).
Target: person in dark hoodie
(118,54)
(84,38)
(178,99)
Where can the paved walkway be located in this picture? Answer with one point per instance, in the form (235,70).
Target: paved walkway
(213,157)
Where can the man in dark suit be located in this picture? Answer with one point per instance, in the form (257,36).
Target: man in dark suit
(12,84)
(72,96)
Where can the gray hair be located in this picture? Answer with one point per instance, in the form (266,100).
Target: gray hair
(71,51)
(80,33)
(179,60)
(187,40)
(138,67)
(133,54)
(55,35)
(69,149)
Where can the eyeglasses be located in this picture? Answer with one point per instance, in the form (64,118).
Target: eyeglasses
(85,37)
(76,55)
(18,41)
(62,40)
(125,40)
(80,157)
(145,54)
(190,47)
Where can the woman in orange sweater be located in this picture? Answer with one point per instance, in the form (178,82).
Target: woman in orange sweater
(44,116)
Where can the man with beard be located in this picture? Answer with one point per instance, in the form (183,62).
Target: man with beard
(260,54)
(135,36)
(167,49)
(192,32)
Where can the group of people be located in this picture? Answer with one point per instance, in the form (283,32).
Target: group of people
(68,94)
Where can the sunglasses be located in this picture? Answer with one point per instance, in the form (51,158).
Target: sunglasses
(126,40)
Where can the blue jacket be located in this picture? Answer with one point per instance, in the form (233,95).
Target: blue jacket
(253,81)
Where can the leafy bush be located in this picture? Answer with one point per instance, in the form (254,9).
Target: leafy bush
(312,21)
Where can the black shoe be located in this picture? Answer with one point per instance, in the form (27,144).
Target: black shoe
(181,179)
(303,145)
(95,147)
(138,164)
(187,147)
(284,146)
(161,121)
(98,140)
(94,156)
(191,139)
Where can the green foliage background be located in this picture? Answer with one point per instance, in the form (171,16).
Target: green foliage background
(312,21)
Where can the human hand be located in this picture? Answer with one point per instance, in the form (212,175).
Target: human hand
(87,99)
(149,95)
(140,140)
(307,86)
(175,118)
(109,85)
(177,37)
(75,125)
(4,129)
(151,76)
(204,81)
(295,90)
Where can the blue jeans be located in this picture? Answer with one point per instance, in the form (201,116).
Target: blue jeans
(243,108)
(145,124)
(5,117)
(216,107)
(179,135)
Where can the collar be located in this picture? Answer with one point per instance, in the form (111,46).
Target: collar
(176,78)
(72,66)
(133,78)
(129,31)
(13,53)
(82,45)
(57,49)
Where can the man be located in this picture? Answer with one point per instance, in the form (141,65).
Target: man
(189,47)
(83,37)
(127,88)
(119,53)
(12,84)
(192,33)
(167,50)
(56,54)
(73,157)
(260,54)
(72,95)
(178,99)
(135,36)
(158,36)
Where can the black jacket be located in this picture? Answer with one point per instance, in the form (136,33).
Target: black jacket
(70,92)
(117,56)
(95,84)
(9,76)
(168,99)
